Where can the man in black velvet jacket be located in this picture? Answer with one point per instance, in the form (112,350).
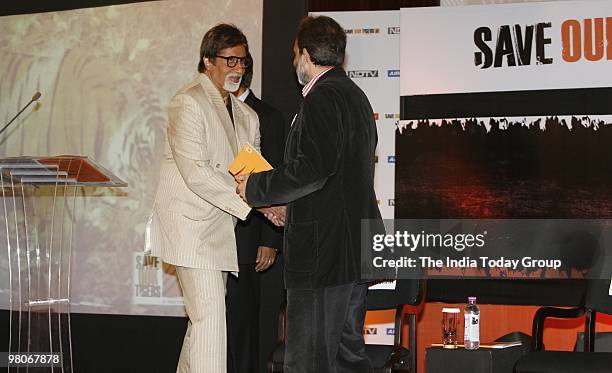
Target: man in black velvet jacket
(327,182)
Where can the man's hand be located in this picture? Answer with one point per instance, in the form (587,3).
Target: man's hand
(265,258)
(276,214)
(241,187)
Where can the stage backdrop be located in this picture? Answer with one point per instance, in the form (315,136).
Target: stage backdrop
(106,76)
(505,111)
(530,138)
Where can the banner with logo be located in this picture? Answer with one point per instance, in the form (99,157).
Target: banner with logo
(505,115)
(154,282)
(522,61)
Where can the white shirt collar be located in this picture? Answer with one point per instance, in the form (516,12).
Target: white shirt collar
(244,95)
(312,82)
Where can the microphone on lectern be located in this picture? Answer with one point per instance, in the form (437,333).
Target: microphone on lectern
(34,98)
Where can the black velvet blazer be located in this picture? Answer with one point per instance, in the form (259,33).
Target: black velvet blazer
(327,182)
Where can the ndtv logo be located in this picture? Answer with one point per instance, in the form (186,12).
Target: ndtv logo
(393,73)
(370,331)
(391,159)
(363,74)
(390,331)
(393,30)
(362,31)
(391,202)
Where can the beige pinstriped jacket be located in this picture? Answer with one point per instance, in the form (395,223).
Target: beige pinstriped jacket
(196,205)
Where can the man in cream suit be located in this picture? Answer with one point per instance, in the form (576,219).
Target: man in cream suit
(196,205)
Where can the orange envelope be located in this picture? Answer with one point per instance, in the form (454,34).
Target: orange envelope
(248,160)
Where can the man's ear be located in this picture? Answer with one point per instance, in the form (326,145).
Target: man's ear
(306,54)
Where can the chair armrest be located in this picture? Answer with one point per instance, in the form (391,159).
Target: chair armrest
(542,314)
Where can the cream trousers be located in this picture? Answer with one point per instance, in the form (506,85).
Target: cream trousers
(204,347)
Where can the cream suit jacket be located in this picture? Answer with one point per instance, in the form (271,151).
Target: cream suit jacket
(196,205)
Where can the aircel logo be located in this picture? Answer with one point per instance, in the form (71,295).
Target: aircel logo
(363,74)
(393,30)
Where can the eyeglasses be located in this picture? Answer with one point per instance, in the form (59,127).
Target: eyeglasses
(232,61)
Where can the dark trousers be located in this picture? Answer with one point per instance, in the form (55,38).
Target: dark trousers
(324,330)
(242,303)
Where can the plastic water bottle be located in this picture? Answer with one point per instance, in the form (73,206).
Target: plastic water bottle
(471,337)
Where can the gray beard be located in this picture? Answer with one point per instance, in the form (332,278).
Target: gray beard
(301,74)
(230,86)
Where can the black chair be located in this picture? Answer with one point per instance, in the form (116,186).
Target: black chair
(384,358)
(541,361)
(602,342)
(396,358)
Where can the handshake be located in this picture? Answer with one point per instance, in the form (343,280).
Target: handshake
(276,214)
